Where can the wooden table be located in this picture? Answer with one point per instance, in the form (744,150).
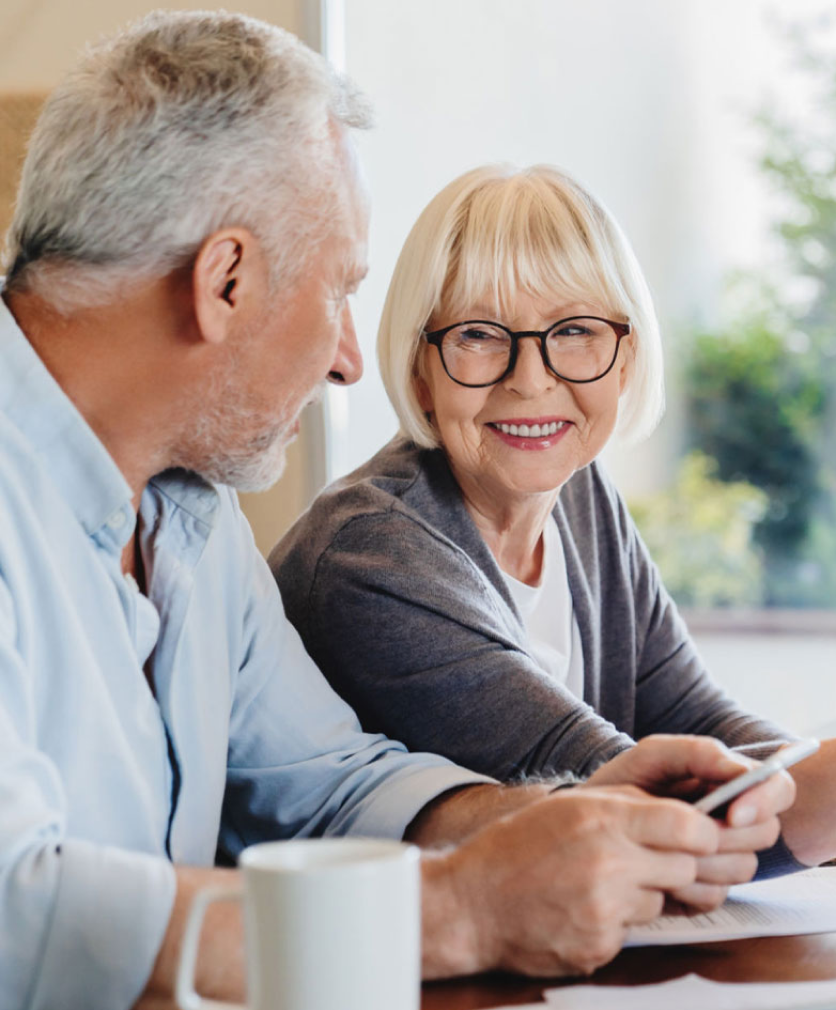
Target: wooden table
(765,959)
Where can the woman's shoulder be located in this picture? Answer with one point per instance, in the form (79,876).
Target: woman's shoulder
(401,485)
(401,476)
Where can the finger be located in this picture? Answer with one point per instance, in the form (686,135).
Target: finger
(699,897)
(691,757)
(727,869)
(762,801)
(672,825)
(753,839)
(686,789)
(648,905)
(663,871)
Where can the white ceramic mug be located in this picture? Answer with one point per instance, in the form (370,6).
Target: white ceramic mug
(330,924)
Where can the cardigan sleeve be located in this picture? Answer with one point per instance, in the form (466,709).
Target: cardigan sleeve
(674,691)
(409,630)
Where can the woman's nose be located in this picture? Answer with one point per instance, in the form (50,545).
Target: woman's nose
(530,376)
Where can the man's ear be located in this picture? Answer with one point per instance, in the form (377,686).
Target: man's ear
(225,278)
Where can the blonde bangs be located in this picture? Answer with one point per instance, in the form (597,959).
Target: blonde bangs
(523,234)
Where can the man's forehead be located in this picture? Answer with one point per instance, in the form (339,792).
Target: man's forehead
(355,187)
(354,239)
(353,253)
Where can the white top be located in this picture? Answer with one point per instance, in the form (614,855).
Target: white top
(549,617)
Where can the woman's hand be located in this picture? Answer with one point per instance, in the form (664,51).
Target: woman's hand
(687,767)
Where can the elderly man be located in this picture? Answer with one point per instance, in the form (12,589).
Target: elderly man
(190,223)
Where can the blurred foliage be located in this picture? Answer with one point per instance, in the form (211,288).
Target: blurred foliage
(761,390)
(756,407)
(700,533)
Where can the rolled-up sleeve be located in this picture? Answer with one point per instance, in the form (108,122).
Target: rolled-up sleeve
(109,912)
(80,923)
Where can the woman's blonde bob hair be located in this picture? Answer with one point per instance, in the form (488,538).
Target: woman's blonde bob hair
(496,232)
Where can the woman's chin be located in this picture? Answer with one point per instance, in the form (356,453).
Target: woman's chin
(514,483)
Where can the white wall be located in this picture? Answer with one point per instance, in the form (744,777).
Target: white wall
(40,39)
(787,678)
(646,102)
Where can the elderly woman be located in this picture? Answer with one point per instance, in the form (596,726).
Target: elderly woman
(478,587)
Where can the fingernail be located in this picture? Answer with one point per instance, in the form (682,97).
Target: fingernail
(742,817)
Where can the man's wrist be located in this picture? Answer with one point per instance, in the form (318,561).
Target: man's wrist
(450,940)
(463,811)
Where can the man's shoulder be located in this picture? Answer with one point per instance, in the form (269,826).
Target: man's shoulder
(24,483)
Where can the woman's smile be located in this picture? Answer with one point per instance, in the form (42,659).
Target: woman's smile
(530,433)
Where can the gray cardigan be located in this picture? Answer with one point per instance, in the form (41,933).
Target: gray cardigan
(401,604)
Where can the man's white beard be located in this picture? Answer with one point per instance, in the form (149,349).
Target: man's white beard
(223,450)
(255,468)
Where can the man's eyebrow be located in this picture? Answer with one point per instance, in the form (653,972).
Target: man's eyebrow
(357,275)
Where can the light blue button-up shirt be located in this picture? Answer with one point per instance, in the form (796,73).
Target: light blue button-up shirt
(104,781)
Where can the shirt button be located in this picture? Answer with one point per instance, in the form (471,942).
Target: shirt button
(117,520)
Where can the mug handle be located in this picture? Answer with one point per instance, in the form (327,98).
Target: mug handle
(185,995)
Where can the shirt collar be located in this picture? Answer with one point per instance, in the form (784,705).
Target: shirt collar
(78,463)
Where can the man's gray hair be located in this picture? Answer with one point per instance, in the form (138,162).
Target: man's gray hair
(184,123)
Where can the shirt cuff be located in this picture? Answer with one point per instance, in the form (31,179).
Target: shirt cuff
(111,911)
(389,810)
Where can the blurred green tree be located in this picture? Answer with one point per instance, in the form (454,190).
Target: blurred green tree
(700,533)
(756,408)
(761,391)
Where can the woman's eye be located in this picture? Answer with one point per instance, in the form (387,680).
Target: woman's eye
(572,330)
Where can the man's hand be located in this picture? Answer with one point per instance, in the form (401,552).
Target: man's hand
(552,888)
(687,767)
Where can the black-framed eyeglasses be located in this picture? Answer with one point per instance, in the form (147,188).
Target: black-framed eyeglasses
(479,352)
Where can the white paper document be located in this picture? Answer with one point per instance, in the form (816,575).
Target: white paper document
(691,992)
(795,904)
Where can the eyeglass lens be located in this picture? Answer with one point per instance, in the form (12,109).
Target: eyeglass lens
(578,349)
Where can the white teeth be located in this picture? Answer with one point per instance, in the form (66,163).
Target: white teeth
(532,431)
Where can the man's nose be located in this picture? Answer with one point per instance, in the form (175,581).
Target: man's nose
(347,366)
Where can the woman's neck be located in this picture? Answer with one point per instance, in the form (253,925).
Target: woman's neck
(513,531)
